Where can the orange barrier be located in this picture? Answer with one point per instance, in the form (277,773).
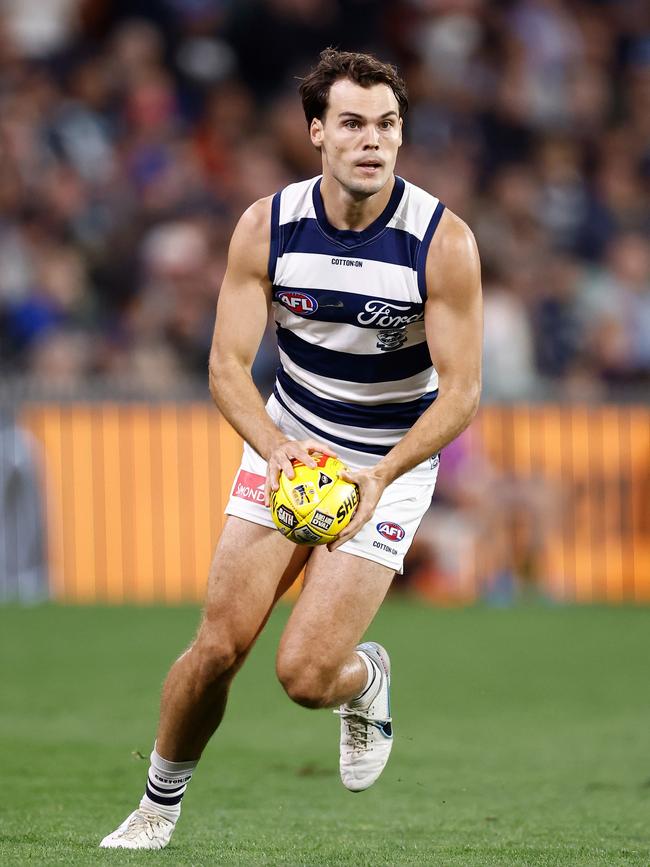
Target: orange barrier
(595,461)
(135,495)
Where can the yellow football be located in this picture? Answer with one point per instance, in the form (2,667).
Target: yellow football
(314,506)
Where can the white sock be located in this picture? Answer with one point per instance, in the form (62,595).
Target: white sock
(166,784)
(372,685)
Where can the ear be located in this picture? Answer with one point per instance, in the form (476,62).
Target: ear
(316,132)
(401,126)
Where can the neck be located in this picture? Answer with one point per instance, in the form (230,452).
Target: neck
(347,210)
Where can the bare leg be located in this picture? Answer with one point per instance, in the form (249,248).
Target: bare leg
(316,661)
(252,568)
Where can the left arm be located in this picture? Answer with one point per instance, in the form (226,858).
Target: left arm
(453,322)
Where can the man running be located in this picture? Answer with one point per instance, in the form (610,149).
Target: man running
(375,290)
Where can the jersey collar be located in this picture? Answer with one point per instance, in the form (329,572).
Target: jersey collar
(348,237)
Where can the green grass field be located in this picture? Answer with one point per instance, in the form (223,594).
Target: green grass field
(522,738)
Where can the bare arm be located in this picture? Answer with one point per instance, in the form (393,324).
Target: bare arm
(453,322)
(242,314)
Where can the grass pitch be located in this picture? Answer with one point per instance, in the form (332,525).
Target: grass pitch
(522,738)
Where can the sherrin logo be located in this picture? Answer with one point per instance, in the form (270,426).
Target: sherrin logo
(298,302)
(391,531)
(348,504)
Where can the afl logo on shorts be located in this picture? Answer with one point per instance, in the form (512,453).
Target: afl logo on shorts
(298,302)
(391,531)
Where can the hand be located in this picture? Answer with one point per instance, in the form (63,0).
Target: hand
(371,487)
(280,461)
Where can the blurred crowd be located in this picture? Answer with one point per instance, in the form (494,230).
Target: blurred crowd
(133,134)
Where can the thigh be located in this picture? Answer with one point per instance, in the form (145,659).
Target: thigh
(340,597)
(252,567)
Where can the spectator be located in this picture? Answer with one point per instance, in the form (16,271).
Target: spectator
(132,135)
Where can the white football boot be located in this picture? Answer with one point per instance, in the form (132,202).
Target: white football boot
(141,830)
(366,728)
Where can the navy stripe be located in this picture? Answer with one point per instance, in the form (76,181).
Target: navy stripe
(424,249)
(166,802)
(169,791)
(364,311)
(383,415)
(393,246)
(387,367)
(274,249)
(373,449)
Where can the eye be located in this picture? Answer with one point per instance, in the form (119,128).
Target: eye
(386,124)
(352,124)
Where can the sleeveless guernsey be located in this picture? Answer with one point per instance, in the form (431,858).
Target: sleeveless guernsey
(349,308)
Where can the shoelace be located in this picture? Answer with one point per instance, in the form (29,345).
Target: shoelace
(141,821)
(357,729)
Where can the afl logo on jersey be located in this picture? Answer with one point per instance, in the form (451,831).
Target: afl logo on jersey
(298,302)
(391,531)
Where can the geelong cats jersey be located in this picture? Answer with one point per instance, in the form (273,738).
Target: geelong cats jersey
(349,309)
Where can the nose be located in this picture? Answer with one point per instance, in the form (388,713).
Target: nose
(372,137)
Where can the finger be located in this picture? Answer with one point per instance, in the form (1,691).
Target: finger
(287,468)
(351,530)
(348,533)
(273,475)
(340,540)
(347,476)
(315,446)
(304,457)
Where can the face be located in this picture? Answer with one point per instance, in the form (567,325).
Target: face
(359,136)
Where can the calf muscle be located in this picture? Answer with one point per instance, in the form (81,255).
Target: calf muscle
(251,569)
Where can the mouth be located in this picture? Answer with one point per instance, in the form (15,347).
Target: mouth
(369,167)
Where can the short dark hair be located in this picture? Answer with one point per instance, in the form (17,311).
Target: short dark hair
(363,69)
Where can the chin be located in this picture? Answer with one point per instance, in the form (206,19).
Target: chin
(366,186)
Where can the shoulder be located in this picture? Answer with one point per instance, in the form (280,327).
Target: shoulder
(291,203)
(255,222)
(452,238)
(250,242)
(452,260)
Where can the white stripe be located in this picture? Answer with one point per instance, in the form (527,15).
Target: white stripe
(364,393)
(414,211)
(342,337)
(378,279)
(296,201)
(373,436)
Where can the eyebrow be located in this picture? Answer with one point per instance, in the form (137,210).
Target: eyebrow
(355,115)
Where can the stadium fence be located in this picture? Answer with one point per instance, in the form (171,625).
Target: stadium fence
(135,495)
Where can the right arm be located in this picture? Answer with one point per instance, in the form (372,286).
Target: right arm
(242,314)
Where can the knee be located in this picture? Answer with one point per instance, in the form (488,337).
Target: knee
(305,681)
(216,658)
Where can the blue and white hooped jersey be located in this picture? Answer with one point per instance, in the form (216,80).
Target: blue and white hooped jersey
(349,309)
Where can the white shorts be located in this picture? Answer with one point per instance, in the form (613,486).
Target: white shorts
(388,534)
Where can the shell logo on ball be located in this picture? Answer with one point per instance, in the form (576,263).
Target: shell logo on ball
(314,506)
